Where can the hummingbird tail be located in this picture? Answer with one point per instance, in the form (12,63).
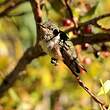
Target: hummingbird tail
(77,67)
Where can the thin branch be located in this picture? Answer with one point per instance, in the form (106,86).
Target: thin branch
(94,21)
(37,16)
(28,56)
(70,12)
(69,9)
(36,10)
(67,61)
(92,38)
(102,105)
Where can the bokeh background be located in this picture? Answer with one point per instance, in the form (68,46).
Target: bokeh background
(43,86)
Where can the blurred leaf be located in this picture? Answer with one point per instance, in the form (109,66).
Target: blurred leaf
(105,88)
(13,95)
(27,29)
(34,97)
(105,23)
(2,1)
(46,78)
(18,49)
(24,106)
(58,6)
(3,48)
(4,62)
(53,14)
(102,8)
(95,69)
(90,13)
(25,7)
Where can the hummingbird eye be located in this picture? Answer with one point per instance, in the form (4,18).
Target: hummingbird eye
(55,32)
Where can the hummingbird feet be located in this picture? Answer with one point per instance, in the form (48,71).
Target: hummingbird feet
(54,61)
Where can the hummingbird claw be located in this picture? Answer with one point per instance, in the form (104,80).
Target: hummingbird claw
(54,61)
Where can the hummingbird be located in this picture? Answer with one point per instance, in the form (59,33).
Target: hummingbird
(53,40)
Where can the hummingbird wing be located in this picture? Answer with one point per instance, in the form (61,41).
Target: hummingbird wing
(70,60)
(77,66)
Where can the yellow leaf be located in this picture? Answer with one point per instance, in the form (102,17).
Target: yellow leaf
(105,88)
(46,77)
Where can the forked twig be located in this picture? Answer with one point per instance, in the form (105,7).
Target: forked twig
(70,13)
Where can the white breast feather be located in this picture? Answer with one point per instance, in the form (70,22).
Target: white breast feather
(47,46)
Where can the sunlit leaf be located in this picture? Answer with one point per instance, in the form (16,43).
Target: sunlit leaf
(25,106)
(46,77)
(3,48)
(105,88)
(105,23)
(95,69)
(103,7)
(13,95)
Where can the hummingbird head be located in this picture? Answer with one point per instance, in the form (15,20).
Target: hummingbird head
(50,39)
(48,30)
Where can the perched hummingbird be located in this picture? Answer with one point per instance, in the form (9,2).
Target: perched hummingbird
(53,40)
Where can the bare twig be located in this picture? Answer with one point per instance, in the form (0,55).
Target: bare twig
(94,22)
(37,16)
(67,61)
(77,48)
(36,10)
(92,38)
(103,106)
(70,12)
(91,21)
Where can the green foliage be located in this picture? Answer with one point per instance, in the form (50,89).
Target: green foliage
(2,1)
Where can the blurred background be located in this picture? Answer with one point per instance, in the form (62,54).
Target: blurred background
(43,86)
